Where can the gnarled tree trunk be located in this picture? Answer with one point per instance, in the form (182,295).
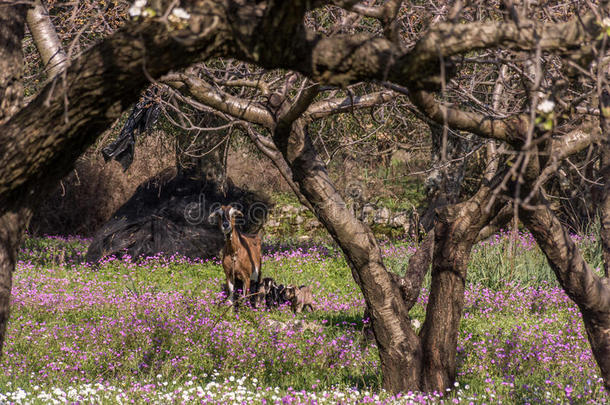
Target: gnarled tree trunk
(456,229)
(13,221)
(399,347)
(407,362)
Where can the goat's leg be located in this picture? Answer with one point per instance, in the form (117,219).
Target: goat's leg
(230,287)
(246,290)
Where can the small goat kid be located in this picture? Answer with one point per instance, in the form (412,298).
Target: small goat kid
(241,253)
(270,293)
(300,297)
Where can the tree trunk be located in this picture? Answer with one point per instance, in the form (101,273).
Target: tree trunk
(443,184)
(12,25)
(12,222)
(590,292)
(399,347)
(604,206)
(12,227)
(456,230)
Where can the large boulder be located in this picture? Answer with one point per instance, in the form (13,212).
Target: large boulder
(168,215)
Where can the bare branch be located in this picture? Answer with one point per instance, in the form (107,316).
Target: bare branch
(510,130)
(45,37)
(324,108)
(256,84)
(303,100)
(237,107)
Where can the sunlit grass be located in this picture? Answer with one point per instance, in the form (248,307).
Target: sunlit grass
(153,331)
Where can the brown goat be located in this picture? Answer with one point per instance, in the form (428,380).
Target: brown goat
(241,253)
(300,297)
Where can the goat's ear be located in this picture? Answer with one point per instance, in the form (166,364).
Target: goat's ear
(233,212)
(213,218)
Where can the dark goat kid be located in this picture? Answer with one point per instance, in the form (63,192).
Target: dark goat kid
(271,293)
(241,258)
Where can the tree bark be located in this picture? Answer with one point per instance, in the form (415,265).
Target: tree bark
(443,184)
(46,40)
(590,292)
(604,206)
(12,228)
(456,229)
(12,30)
(12,222)
(399,347)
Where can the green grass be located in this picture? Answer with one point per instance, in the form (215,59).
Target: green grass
(127,325)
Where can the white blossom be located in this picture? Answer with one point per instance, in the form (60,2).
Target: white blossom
(546,106)
(134,11)
(137,8)
(606,22)
(181,13)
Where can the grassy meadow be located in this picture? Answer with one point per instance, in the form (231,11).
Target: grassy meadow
(153,332)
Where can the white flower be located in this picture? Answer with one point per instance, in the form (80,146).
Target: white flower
(181,13)
(139,3)
(546,106)
(606,22)
(134,11)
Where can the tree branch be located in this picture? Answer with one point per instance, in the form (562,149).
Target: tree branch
(69,114)
(325,108)
(510,130)
(294,111)
(45,37)
(237,107)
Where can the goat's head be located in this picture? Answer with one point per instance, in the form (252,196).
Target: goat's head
(260,294)
(224,217)
(290,292)
(268,284)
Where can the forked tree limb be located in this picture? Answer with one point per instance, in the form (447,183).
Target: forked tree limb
(510,130)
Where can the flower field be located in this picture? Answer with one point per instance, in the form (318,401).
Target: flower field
(153,331)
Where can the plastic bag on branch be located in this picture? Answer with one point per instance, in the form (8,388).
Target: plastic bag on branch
(143,116)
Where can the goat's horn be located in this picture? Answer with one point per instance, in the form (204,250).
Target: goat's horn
(214,215)
(234,211)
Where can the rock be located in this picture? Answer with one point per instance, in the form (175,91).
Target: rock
(401,156)
(272,223)
(382,216)
(368,213)
(289,209)
(298,325)
(312,224)
(401,221)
